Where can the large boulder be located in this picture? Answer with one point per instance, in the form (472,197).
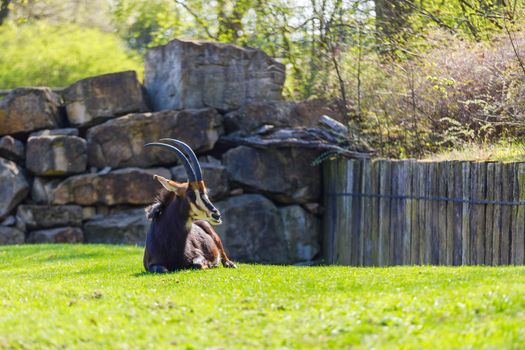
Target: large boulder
(196,74)
(12,149)
(302,231)
(50,155)
(56,235)
(27,109)
(11,235)
(91,100)
(252,116)
(215,178)
(33,216)
(285,174)
(123,186)
(252,230)
(125,227)
(280,114)
(120,142)
(13,186)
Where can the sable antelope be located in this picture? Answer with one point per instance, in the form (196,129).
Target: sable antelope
(180,235)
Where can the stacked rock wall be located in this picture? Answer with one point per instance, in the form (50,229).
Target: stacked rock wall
(73,167)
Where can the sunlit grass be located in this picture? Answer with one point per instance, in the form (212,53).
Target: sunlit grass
(98,297)
(502,151)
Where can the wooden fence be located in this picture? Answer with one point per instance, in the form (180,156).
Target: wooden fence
(384,212)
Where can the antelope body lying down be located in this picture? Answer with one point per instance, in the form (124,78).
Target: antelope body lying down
(180,235)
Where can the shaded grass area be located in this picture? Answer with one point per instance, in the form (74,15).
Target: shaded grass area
(96,296)
(502,151)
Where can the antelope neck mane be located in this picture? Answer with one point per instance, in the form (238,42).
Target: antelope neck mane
(162,201)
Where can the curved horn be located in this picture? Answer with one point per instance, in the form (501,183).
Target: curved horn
(191,154)
(189,170)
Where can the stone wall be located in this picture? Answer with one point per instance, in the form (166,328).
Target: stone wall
(73,167)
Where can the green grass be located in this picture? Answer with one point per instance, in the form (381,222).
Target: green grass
(96,297)
(502,151)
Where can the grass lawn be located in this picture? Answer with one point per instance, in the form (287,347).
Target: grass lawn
(96,297)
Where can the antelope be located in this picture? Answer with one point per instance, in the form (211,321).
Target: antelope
(180,235)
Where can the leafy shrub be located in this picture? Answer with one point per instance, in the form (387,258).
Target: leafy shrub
(457,93)
(58,54)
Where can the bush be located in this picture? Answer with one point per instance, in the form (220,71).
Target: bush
(454,94)
(59,54)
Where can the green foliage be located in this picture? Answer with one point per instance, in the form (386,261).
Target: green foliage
(96,296)
(41,53)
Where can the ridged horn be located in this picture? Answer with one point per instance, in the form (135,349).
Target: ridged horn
(189,170)
(191,155)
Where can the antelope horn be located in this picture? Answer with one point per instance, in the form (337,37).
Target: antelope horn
(191,155)
(189,170)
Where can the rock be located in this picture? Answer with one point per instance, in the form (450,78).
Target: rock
(120,142)
(285,174)
(92,100)
(88,213)
(252,116)
(56,155)
(56,235)
(9,221)
(11,235)
(207,74)
(28,109)
(252,230)
(42,190)
(236,192)
(33,216)
(215,178)
(12,149)
(53,132)
(13,186)
(123,186)
(314,208)
(302,231)
(127,227)
(309,111)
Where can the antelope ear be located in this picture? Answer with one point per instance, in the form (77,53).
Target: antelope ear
(173,186)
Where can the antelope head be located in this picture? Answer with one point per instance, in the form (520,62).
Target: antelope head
(193,191)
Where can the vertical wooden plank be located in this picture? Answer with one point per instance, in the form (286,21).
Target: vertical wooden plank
(458,213)
(496,222)
(514,215)
(408,166)
(507,189)
(396,213)
(330,215)
(422,210)
(384,212)
(449,256)
(489,212)
(519,241)
(443,170)
(366,214)
(345,220)
(414,219)
(373,242)
(477,223)
(356,215)
(434,215)
(429,212)
(400,229)
(465,215)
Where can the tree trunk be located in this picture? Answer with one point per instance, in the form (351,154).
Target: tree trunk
(4,10)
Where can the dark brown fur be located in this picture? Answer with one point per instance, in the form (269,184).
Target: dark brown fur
(174,242)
